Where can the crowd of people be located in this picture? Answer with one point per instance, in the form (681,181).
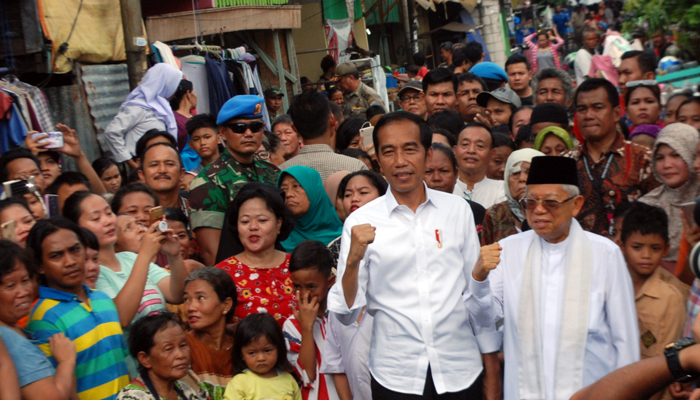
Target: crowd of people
(507,233)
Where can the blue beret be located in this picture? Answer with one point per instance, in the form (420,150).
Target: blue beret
(242,106)
(489,70)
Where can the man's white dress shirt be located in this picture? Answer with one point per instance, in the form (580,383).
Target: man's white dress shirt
(414,284)
(613,334)
(346,351)
(486,192)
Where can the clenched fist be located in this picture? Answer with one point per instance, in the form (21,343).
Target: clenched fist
(488,261)
(361,236)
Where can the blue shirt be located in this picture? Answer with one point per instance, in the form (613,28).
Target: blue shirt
(31,363)
(560,21)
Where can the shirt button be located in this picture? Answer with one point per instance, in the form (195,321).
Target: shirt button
(426,320)
(423,295)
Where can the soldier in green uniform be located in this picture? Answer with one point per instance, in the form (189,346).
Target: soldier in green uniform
(273,101)
(358,96)
(240,124)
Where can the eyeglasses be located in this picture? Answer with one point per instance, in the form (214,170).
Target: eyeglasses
(647,82)
(241,128)
(548,204)
(409,98)
(263,155)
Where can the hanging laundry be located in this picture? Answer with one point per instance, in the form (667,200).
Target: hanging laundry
(195,71)
(220,84)
(166,54)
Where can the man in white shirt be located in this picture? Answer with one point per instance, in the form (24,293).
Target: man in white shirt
(584,57)
(473,153)
(407,256)
(565,296)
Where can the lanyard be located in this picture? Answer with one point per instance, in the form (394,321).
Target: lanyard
(598,183)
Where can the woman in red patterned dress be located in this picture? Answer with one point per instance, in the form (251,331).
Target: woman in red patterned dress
(261,272)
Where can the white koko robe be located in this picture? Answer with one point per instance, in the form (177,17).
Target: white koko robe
(613,334)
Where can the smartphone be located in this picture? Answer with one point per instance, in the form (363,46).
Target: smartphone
(367,137)
(18,187)
(54,141)
(156,214)
(8,230)
(51,201)
(689,212)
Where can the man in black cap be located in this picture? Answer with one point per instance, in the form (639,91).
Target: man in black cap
(564,294)
(412,99)
(548,114)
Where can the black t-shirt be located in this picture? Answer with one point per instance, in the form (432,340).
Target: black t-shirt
(527,101)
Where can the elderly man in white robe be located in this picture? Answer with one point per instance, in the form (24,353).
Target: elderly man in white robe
(565,295)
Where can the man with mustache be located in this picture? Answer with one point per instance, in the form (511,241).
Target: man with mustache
(162,171)
(611,170)
(241,128)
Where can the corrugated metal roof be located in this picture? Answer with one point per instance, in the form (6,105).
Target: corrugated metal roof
(107,87)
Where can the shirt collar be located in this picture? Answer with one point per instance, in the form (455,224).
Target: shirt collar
(392,204)
(651,286)
(46,292)
(615,148)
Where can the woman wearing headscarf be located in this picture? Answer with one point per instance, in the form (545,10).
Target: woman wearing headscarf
(331,187)
(553,141)
(505,219)
(145,108)
(672,163)
(315,215)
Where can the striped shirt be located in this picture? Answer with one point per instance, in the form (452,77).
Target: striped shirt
(94,328)
(321,388)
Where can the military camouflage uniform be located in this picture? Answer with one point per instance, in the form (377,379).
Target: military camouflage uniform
(219,183)
(357,102)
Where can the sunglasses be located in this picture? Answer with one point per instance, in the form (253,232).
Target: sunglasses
(647,82)
(549,204)
(241,128)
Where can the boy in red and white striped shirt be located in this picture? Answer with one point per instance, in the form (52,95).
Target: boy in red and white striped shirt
(305,332)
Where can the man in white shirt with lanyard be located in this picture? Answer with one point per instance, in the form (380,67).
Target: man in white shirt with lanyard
(564,294)
(408,257)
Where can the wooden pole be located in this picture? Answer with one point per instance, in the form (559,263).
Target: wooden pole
(134,40)
(280,68)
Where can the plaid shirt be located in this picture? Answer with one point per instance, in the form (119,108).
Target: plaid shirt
(693,306)
(628,177)
(323,159)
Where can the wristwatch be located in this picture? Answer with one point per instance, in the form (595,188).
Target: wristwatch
(674,363)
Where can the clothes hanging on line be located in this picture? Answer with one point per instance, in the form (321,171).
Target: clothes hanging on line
(24,109)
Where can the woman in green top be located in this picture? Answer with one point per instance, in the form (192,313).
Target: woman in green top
(137,286)
(315,215)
